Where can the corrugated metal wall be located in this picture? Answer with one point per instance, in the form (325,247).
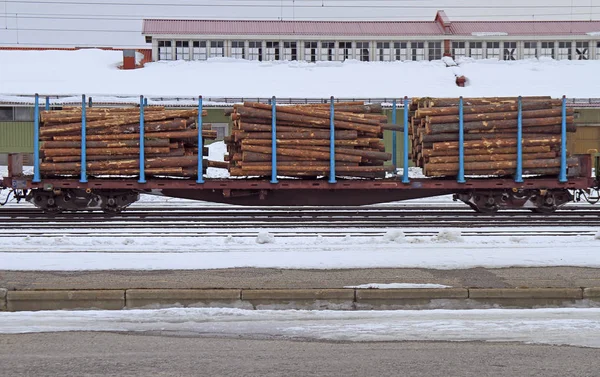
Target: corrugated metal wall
(16,137)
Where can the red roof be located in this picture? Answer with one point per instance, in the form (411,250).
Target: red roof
(367,28)
(526,27)
(318,28)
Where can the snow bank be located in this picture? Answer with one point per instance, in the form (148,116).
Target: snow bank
(95,72)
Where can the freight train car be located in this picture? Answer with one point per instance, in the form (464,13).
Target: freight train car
(310,173)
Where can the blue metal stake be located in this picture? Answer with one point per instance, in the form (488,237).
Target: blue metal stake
(562,177)
(273,141)
(394,147)
(36,140)
(200,143)
(83,178)
(461,142)
(519,175)
(142,155)
(331,142)
(47,107)
(405,140)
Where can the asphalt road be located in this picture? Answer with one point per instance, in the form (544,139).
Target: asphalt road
(109,354)
(537,277)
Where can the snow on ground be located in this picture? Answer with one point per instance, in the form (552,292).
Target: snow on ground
(576,327)
(158,252)
(94,72)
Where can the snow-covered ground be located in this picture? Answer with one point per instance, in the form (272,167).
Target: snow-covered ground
(577,327)
(94,72)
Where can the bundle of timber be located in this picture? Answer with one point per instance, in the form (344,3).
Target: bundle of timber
(113,141)
(303,140)
(490,135)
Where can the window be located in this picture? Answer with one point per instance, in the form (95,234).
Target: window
(384,52)
(255,50)
(327,51)
(458,49)
(164,50)
(290,51)
(362,51)
(529,50)
(344,51)
(492,50)
(273,51)
(182,50)
(564,51)
(217,49)
(6,114)
(400,50)
(417,51)
(476,50)
(582,50)
(510,51)
(598,50)
(18,114)
(547,49)
(310,51)
(222,130)
(435,50)
(199,51)
(238,50)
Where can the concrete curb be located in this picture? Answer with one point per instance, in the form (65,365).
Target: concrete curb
(340,299)
(2,299)
(138,298)
(54,300)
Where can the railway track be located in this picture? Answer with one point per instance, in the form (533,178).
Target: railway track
(196,218)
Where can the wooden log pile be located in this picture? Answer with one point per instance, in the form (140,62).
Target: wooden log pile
(303,140)
(113,141)
(490,135)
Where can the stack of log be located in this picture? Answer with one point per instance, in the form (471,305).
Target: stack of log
(303,140)
(490,135)
(113,141)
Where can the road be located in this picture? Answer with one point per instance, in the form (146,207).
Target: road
(131,354)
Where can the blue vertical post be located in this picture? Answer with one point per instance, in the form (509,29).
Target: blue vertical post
(200,143)
(331,142)
(36,140)
(47,107)
(142,155)
(394,146)
(273,141)
(405,141)
(519,175)
(461,142)
(562,177)
(83,178)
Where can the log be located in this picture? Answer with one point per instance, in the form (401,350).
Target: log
(308,121)
(494,165)
(496,125)
(172,153)
(303,142)
(103,151)
(157,162)
(446,102)
(150,135)
(475,144)
(486,151)
(315,112)
(367,154)
(105,143)
(480,109)
(263,157)
(117,121)
(308,169)
(484,136)
(311,135)
(243,172)
(547,113)
(294,163)
(317,155)
(491,157)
